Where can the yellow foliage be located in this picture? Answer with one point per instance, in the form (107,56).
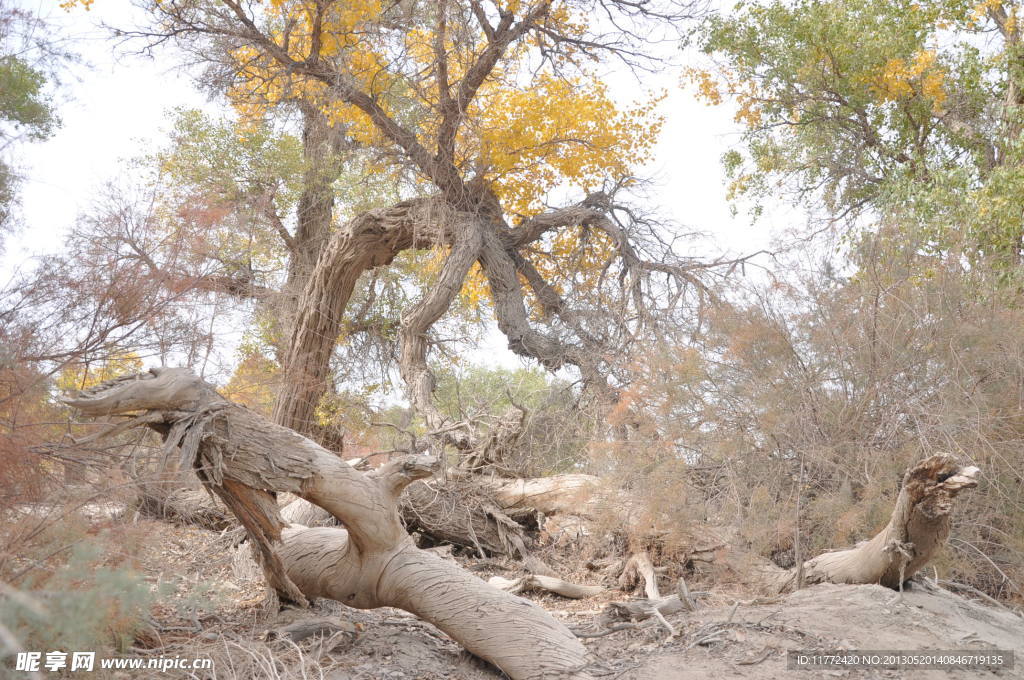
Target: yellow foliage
(746,93)
(900,79)
(981,10)
(253,382)
(532,139)
(529,134)
(263,83)
(707,87)
(81,376)
(749,111)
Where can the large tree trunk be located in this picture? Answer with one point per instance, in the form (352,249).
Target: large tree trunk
(321,151)
(373,239)
(243,458)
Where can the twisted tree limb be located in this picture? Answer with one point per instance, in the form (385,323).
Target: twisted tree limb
(918,527)
(372,562)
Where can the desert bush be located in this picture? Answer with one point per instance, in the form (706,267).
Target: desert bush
(826,387)
(73,584)
(555,429)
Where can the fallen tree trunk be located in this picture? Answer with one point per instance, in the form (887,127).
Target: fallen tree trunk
(372,562)
(558,494)
(295,510)
(464,513)
(918,527)
(189,505)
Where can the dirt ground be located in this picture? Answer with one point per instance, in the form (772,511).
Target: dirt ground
(219,611)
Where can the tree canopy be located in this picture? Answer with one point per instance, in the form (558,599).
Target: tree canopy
(489,118)
(27,113)
(909,111)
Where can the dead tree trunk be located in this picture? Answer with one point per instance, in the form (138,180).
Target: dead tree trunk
(918,527)
(371,563)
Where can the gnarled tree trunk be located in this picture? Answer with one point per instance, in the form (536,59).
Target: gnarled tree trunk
(918,527)
(370,563)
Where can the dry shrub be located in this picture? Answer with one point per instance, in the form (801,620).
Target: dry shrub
(824,390)
(72,582)
(27,419)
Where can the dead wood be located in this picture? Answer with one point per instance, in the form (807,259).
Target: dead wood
(639,566)
(557,494)
(918,527)
(295,510)
(549,584)
(189,505)
(462,511)
(372,562)
(300,630)
(638,610)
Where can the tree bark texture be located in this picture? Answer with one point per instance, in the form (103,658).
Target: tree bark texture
(475,232)
(372,562)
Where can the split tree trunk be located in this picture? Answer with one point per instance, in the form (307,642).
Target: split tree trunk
(371,563)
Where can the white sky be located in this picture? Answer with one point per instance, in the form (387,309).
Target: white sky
(116,108)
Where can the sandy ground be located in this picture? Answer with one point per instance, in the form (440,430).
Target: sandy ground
(752,641)
(722,639)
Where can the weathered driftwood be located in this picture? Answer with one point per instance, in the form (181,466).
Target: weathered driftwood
(551,584)
(372,562)
(918,527)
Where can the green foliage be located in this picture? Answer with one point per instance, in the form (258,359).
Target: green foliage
(555,432)
(26,109)
(887,109)
(478,389)
(84,604)
(220,184)
(23,102)
(234,163)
